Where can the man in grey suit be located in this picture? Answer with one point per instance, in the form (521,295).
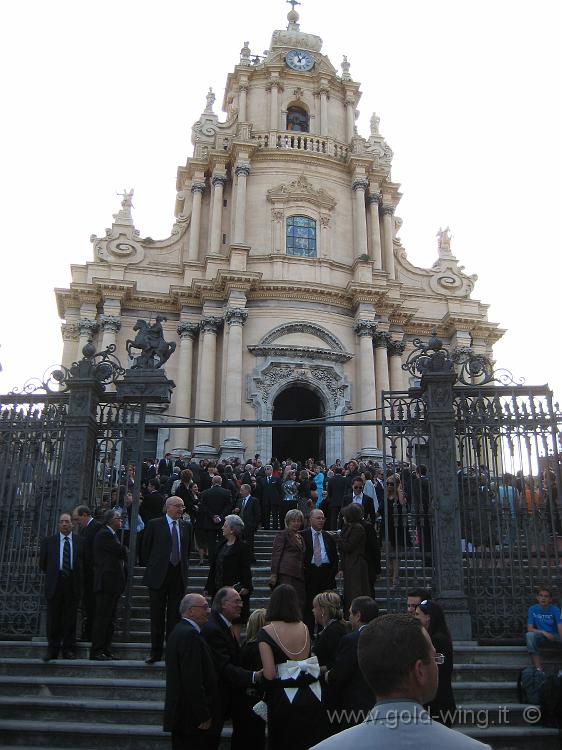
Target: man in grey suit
(399,664)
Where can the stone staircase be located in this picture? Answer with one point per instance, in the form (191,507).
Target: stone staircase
(89,705)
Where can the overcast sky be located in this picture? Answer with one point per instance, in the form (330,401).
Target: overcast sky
(99,96)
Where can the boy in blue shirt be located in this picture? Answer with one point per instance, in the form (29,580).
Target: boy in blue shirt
(544,624)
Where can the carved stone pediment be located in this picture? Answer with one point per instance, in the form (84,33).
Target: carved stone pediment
(301,190)
(300,352)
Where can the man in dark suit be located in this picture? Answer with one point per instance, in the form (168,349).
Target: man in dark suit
(214,505)
(320,562)
(421,494)
(152,501)
(347,687)
(166,466)
(109,583)
(250,512)
(88,527)
(225,649)
(166,547)
(359,498)
(337,489)
(192,710)
(270,493)
(59,559)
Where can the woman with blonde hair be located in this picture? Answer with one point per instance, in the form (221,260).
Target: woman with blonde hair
(287,556)
(250,658)
(328,613)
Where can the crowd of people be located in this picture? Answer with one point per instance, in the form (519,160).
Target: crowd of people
(299,669)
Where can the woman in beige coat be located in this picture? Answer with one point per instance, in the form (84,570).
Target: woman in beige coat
(353,562)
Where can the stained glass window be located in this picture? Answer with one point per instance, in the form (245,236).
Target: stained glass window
(301,236)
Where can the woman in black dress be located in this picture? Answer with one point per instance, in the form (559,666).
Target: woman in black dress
(328,613)
(231,567)
(432,618)
(295,715)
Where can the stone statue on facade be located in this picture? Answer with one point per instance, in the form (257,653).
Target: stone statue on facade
(155,351)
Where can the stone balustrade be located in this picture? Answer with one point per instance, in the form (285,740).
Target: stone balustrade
(302,142)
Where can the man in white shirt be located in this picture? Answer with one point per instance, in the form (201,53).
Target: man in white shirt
(398,661)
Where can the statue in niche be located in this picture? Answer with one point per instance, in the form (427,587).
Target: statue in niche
(155,351)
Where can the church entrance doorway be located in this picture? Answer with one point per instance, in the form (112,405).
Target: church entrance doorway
(299,443)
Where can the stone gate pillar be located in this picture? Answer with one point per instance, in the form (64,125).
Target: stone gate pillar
(437,386)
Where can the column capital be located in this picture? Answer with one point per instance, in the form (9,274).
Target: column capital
(243,87)
(365,328)
(381,339)
(373,198)
(387,208)
(242,169)
(69,332)
(360,184)
(110,323)
(219,179)
(236,316)
(87,327)
(187,330)
(210,324)
(198,187)
(396,348)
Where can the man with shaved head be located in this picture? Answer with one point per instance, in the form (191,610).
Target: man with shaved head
(165,548)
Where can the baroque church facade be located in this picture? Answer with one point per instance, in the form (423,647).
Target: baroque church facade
(283,282)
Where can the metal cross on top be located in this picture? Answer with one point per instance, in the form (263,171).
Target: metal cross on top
(293,3)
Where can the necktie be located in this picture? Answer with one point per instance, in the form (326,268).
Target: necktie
(316,550)
(175,556)
(66,557)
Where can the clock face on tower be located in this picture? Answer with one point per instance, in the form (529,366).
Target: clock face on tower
(299,60)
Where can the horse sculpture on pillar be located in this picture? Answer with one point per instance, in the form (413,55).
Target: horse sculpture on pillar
(155,351)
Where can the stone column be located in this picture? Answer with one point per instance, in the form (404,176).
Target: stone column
(186,332)
(86,330)
(395,350)
(205,398)
(70,338)
(274,110)
(110,325)
(373,200)
(381,374)
(218,183)
(324,96)
(278,239)
(242,171)
(197,190)
(359,186)
(388,248)
(242,91)
(349,119)
(232,445)
(365,330)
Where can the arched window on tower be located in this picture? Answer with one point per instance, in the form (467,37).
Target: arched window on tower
(297,119)
(301,236)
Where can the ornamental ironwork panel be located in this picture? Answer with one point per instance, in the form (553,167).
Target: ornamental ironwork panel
(31,446)
(509,489)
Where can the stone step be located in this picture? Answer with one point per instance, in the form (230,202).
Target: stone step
(83,735)
(86,687)
(99,711)
(122,669)
(515,738)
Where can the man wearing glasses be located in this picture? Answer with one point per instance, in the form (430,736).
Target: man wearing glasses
(192,710)
(361,499)
(165,548)
(399,663)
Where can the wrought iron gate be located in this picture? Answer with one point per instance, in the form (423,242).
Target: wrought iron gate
(485,526)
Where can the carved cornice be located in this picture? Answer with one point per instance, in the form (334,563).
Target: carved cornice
(211,325)
(110,323)
(236,316)
(300,352)
(114,289)
(86,293)
(300,292)
(187,330)
(365,328)
(313,329)
(152,302)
